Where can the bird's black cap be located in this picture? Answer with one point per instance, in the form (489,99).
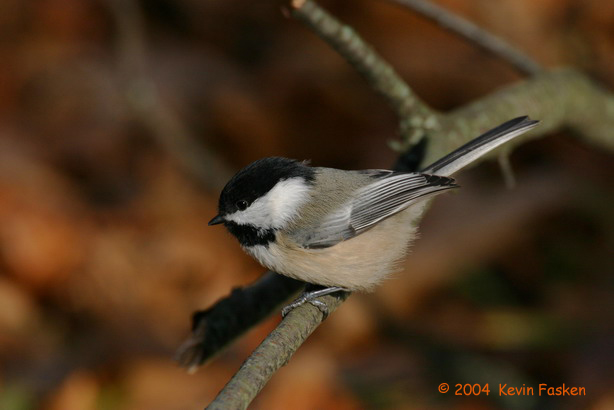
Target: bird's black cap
(258,178)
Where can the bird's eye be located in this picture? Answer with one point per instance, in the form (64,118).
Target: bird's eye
(241,205)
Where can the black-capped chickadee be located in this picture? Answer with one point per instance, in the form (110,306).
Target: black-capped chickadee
(346,230)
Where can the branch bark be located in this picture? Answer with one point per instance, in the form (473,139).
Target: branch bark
(274,352)
(559,98)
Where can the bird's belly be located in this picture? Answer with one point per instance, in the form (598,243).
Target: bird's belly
(359,263)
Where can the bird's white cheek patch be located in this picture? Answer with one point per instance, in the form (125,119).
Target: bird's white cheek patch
(275,209)
(285,199)
(257,215)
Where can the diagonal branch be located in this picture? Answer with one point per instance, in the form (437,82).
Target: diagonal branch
(474,34)
(274,352)
(560,98)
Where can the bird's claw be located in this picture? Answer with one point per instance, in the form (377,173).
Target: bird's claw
(322,307)
(288,308)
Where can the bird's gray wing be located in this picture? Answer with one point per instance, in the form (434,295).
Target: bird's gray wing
(390,193)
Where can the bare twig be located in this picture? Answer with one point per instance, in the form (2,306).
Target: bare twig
(274,352)
(415,117)
(141,95)
(505,165)
(476,35)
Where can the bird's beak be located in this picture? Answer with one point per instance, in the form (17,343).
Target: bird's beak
(216,220)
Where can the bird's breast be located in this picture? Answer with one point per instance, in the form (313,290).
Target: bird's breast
(357,264)
(268,255)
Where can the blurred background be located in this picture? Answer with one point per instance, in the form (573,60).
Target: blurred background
(113,113)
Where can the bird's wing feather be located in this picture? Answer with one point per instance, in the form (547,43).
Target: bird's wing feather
(390,193)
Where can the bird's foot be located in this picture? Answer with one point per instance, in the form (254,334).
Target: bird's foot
(311,297)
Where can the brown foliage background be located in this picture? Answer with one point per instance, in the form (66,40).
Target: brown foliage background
(105,252)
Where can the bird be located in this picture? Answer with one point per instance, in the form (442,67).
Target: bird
(344,230)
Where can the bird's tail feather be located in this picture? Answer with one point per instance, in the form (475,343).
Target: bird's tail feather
(479,146)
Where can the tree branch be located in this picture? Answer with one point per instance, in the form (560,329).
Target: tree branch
(274,352)
(560,98)
(474,34)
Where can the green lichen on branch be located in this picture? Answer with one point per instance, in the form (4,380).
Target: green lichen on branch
(560,98)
